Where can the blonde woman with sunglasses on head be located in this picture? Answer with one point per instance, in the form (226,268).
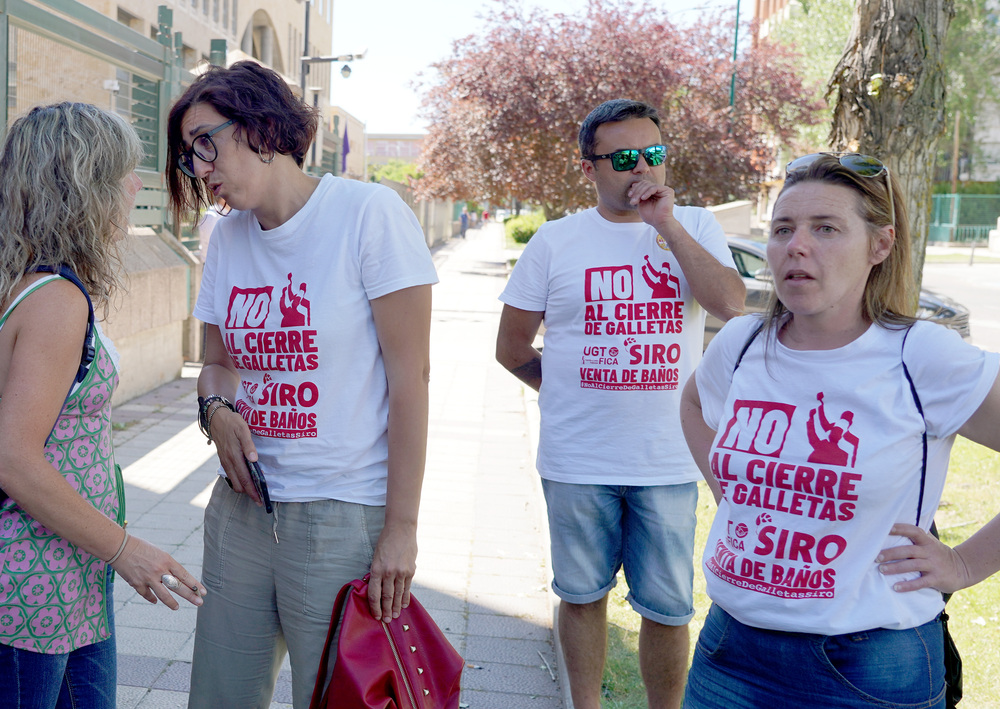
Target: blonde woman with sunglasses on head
(824,429)
(68,185)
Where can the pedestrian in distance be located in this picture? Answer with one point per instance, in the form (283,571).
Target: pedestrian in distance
(824,428)
(316,293)
(68,186)
(464,219)
(621,338)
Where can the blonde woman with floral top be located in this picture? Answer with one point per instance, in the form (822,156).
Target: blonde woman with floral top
(68,185)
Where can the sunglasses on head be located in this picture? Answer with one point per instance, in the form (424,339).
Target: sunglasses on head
(863,165)
(622,160)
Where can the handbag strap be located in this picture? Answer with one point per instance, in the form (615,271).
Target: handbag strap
(324,660)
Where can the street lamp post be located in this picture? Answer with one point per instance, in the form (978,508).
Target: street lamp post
(306,60)
(736,41)
(345,71)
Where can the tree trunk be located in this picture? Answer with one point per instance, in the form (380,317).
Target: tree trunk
(890,87)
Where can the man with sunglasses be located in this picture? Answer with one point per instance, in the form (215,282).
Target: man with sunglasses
(623,289)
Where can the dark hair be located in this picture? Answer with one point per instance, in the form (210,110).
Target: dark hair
(889,298)
(265,111)
(614,111)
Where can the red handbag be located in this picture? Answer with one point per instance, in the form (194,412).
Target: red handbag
(405,664)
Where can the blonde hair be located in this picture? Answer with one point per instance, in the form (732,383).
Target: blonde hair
(890,294)
(63,198)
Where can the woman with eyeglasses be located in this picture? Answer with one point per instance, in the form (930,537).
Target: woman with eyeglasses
(824,428)
(67,188)
(317,298)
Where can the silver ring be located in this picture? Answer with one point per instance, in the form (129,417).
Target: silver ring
(170,581)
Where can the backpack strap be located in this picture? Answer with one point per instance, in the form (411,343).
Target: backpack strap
(923,435)
(89,349)
(746,346)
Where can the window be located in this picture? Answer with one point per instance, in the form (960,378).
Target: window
(130,20)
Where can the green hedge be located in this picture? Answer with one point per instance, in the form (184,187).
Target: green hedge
(521,228)
(968,187)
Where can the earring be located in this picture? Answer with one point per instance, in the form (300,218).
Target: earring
(266,161)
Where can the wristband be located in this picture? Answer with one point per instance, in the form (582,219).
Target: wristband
(204,418)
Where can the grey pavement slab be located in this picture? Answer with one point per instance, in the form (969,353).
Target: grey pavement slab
(483,570)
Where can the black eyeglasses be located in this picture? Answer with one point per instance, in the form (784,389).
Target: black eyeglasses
(863,165)
(204,147)
(622,160)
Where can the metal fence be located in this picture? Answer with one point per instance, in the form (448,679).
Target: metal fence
(61,50)
(963,217)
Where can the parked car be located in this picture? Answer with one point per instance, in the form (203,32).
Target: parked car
(751,261)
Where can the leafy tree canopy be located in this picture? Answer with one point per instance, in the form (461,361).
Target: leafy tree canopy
(506,107)
(395,169)
(972,65)
(818,30)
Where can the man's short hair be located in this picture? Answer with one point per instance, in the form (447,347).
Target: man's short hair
(614,111)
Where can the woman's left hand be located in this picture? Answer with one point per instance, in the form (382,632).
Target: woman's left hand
(940,567)
(393,566)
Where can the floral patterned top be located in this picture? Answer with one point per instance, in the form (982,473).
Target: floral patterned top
(52,594)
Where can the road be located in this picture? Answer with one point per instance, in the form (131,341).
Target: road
(977,287)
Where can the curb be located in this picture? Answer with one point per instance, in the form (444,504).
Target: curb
(534,417)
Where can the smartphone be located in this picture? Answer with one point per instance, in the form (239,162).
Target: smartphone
(260,485)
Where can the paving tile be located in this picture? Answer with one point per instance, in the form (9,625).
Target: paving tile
(479,699)
(139,671)
(501,626)
(512,679)
(483,650)
(176,678)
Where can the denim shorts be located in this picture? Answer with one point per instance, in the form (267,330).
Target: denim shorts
(736,666)
(86,677)
(598,529)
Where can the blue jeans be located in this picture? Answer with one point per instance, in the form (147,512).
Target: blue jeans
(647,530)
(87,677)
(736,666)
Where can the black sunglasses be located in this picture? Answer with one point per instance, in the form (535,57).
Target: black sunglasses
(204,147)
(622,160)
(863,165)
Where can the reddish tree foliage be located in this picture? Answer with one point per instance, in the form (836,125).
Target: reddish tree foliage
(506,107)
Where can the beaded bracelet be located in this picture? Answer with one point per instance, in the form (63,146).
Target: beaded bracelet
(205,417)
(120,549)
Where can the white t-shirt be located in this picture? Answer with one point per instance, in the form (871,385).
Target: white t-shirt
(622,335)
(819,453)
(292,304)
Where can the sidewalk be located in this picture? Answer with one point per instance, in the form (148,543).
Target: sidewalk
(482,569)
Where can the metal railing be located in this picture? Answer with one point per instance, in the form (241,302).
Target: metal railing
(62,50)
(963,218)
